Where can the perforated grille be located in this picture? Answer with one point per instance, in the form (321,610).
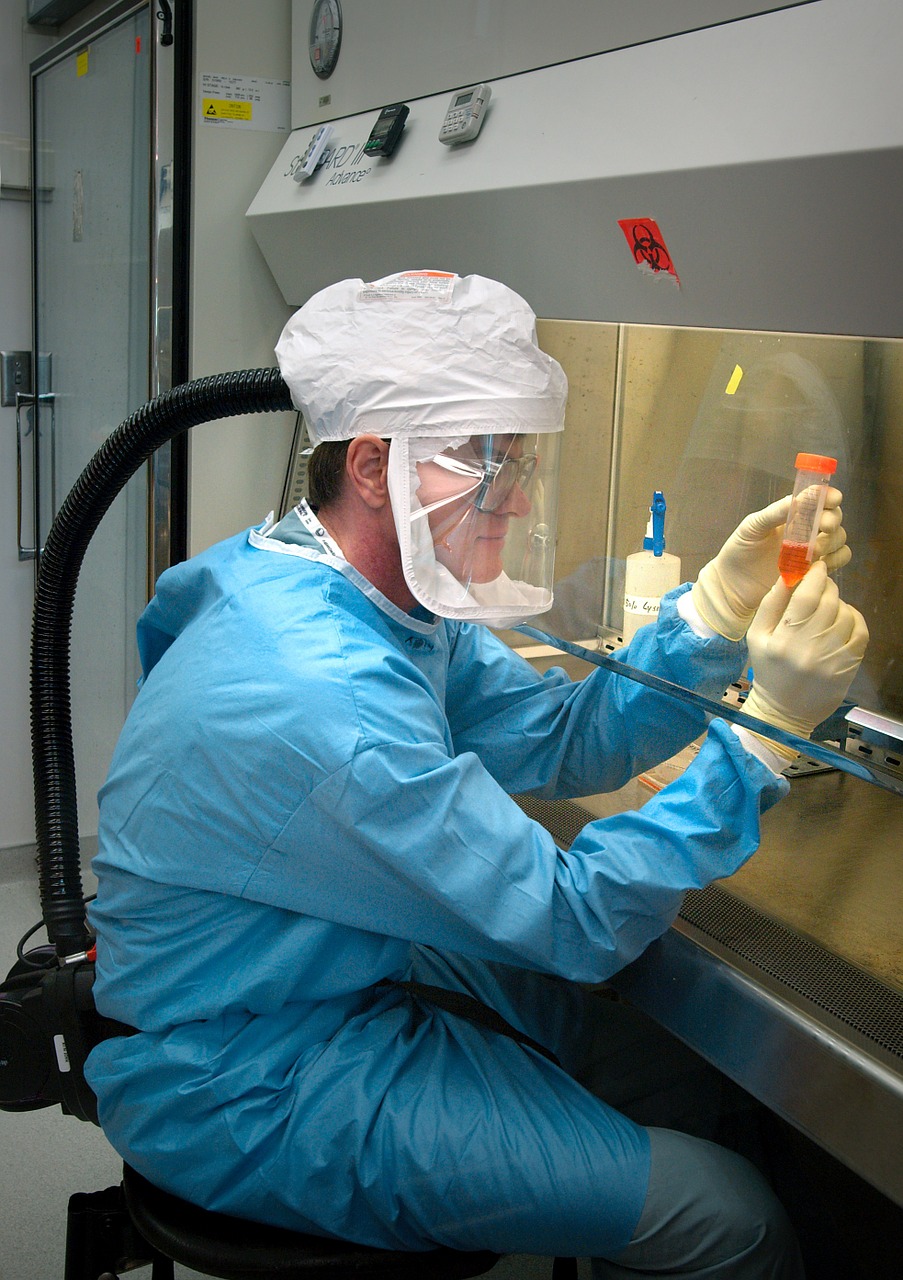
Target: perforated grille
(849,994)
(825,979)
(563,819)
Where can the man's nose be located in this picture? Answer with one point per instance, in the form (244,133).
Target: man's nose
(517,503)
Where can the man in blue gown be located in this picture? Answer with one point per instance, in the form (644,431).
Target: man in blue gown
(310,805)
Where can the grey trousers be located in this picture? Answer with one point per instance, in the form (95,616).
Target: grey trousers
(708,1213)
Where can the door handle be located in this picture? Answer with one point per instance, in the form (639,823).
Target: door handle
(25,400)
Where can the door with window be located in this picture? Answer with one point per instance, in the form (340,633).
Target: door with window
(102,240)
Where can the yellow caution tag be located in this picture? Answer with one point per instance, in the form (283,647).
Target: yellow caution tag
(733,381)
(81,63)
(225,109)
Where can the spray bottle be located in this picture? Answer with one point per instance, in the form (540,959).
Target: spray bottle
(650,573)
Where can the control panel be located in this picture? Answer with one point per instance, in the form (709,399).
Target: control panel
(465,113)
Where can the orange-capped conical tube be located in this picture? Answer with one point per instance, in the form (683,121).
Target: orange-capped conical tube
(813,475)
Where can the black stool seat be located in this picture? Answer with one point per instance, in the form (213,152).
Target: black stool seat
(216,1244)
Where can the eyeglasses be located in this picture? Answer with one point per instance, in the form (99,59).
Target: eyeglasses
(495,478)
(500,477)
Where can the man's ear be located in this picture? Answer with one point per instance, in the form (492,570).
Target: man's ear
(367,467)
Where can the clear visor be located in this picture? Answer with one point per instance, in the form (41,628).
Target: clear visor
(476,523)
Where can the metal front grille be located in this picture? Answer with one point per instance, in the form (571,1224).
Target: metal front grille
(826,980)
(563,819)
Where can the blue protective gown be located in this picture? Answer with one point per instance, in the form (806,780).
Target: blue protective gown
(312,794)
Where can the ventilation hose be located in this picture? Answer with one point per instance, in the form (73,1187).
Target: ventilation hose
(122,453)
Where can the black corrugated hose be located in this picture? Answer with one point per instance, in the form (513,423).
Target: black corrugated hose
(224,395)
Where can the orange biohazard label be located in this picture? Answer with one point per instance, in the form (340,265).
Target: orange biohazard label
(647,244)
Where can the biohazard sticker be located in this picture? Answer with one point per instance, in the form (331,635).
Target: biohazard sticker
(647,244)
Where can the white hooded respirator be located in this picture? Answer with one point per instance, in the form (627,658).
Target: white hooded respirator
(448,369)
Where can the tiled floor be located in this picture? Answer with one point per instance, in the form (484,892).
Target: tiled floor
(44,1155)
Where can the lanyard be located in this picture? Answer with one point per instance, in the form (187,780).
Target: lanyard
(316,530)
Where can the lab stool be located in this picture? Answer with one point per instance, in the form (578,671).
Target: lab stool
(137,1223)
(218,1245)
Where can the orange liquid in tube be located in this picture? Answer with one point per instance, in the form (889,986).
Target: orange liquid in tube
(793,562)
(813,475)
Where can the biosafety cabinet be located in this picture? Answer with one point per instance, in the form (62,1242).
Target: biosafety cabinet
(701,201)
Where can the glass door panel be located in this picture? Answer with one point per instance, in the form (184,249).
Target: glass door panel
(93,196)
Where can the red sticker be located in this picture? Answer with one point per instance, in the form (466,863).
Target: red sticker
(647,244)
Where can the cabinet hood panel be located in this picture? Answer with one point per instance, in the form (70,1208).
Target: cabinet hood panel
(769,154)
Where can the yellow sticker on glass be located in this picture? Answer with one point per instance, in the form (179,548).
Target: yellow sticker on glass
(81,63)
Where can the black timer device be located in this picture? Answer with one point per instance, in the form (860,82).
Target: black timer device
(388,129)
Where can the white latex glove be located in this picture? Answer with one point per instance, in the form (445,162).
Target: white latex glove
(805,647)
(731,587)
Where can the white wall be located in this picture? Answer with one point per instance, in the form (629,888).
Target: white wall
(237,312)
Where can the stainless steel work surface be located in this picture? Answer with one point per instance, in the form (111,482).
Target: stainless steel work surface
(831,866)
(789,975)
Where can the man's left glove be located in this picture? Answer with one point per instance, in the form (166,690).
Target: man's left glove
(731,587)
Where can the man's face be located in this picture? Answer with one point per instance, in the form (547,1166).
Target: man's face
(474,491)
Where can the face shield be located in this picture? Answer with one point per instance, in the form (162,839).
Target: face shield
(448,369)
(476,522)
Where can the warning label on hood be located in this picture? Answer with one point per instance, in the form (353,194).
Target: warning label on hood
(246,102)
